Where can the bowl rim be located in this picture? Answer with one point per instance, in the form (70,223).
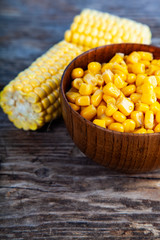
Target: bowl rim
(88,121)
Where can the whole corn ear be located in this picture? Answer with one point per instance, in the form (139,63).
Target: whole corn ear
(32,98)
(93,28)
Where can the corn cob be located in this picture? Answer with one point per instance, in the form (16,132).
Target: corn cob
(32,98)
(93,28)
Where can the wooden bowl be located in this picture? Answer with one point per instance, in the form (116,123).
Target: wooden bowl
(124,152)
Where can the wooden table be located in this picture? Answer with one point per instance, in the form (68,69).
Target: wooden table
(49,189)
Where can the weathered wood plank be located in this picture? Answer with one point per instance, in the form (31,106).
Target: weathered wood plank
(48,188)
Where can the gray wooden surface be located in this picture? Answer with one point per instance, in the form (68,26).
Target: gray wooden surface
(48,188)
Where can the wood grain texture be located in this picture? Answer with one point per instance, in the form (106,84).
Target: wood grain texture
(48,188)
(124,152)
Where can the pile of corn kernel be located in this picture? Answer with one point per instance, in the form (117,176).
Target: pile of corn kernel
(121,95)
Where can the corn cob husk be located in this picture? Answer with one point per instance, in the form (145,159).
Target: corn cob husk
(93,28)
(32,98)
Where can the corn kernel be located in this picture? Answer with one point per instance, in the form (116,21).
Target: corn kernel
(149,119)
(108,76)
(118,82)
(100,122)
(116,127)
(96,98)
(131,78)
(137,68)
(85,89)
(138,117)
(89,112)
(119,117)
(82,101)
(109,100)
(94,67)
(106,66)
(116,59)
(128,90)
(142,107)
(140,79)
(157,92)
(135,97)
(111,90)
(108,120)
(133,57)
(74,106)
(125,105)
(129,125)
(90,79)
(157,128)
(158,117)
(140,130)
(101,110)
(152,80)
(77,73)
(77,83)
(71,96)
(146,55)
(149,131)
(119,67)
(110,110)
(155,107)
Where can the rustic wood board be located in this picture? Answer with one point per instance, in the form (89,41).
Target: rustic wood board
(48,188)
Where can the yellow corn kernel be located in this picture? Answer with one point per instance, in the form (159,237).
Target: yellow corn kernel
(71,96)
(96,98)
(149,131)
(94,67)
(155,107)
(85,89)
(140,130)
(40,92)
(140,79)
(45,102)
(158,117)
(157,128)
(135,97)
(148,98)
(133,57)
(110,110)
(118,82)
(125,105)
(146,55)
(138,117)
(77,73)
(118,58)
(152,69)
(101,110)
(121,74)
(99,79)
(109,100)
(74,106)
(100,122)
(149,119)
(106,66)
(131,78)
(157,92)
(152,80)
(128,90)
(108,76)
(111,90)
(89,112)
(119,117)
(108,120)
(116,127)
(129,125)
(137,68)
(119,67)
(90,79)
(139,89)
(82,101)
(141,107)
(77,83)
